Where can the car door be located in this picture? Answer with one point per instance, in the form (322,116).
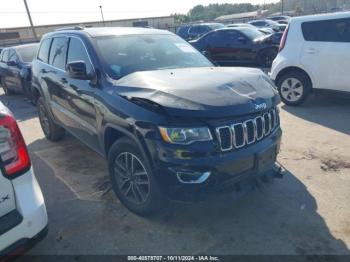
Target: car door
(225,47)
(326,53)
(80,94)
(241,46)
(54,79)
(14,72)
(3,65)
(216,48)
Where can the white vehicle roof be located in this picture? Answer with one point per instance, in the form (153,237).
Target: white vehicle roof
(318,17)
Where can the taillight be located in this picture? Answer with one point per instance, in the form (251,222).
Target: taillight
(13,150)
(284,39)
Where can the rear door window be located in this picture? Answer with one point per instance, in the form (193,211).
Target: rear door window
(335,30)
(43,54)
(58,52)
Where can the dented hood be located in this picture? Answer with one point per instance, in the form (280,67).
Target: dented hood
(201,92)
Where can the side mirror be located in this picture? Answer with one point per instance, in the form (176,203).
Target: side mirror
(77,70)
(11,63)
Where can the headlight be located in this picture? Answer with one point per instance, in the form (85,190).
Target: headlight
(185,136)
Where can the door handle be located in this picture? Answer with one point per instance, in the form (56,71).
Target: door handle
(311,51)
(64,81)
(43,71)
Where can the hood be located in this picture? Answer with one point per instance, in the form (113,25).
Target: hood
(201,92)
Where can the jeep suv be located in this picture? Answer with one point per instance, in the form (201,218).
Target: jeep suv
(170,124)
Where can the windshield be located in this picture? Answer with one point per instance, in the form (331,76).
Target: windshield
(251,33)
(27,53)
(124,55)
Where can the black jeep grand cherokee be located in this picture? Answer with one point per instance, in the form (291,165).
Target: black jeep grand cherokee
(167,120)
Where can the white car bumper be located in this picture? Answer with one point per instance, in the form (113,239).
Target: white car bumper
(30,204)
(277,66)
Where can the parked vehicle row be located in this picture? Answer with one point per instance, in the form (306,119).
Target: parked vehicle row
(254,43)
(15,68)
(237,46)
(195,31)
(266,23)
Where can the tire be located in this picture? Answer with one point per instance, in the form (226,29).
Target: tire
(266,57)
(26,89)
(294,88)
(7,91)
(52,131)
(139,193)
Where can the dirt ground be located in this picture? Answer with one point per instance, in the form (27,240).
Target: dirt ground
(306,212)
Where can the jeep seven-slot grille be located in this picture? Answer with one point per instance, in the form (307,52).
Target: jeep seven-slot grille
(247,132)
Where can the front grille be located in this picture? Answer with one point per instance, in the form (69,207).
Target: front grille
(247,132)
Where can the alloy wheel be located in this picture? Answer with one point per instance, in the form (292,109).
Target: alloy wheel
(292,89)
(132,178)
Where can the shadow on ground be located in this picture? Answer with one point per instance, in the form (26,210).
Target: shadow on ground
(19,106)
(327,109)
(280,218)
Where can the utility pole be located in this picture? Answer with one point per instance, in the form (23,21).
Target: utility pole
(282,7)
(30,20)
(103,19)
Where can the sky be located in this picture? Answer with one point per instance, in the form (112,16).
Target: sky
(13,13)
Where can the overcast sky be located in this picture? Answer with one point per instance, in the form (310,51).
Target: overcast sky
(12,12)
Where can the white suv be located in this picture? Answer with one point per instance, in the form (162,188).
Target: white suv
(314,54)
(23,218)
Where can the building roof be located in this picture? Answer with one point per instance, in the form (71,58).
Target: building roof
(109,31)
(241,15)
(88,22)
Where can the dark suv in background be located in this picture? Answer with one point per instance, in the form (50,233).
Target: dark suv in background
(168,121)
(238,46)
(194,31)
(15,68)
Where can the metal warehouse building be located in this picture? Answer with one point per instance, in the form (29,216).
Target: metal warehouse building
(18,35)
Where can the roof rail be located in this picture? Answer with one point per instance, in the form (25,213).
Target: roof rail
(70,28)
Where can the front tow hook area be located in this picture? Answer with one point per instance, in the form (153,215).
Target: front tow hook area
(188,177)
(278,171)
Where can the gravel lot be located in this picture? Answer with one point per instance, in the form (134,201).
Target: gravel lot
(307,212)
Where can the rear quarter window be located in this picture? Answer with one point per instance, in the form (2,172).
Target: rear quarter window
(43,54)
(335,30)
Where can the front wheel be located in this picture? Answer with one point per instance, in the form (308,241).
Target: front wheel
(52,131)
(132,178)
(6,89)
(294,88)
